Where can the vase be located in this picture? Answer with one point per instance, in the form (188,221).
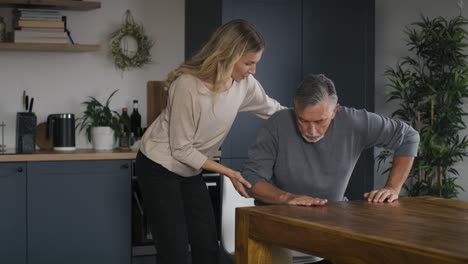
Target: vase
(102,138)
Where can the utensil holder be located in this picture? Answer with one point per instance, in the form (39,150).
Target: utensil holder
(25,132)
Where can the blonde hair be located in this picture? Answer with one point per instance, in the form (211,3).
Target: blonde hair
(216,60)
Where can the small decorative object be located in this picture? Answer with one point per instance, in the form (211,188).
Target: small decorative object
(130,46)
(102,125)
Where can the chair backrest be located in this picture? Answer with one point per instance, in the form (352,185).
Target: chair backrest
(230,200)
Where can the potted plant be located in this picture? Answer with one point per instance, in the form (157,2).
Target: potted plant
(102,125)
(430,87)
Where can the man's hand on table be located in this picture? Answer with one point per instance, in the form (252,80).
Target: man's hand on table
(305,200)
(381,195)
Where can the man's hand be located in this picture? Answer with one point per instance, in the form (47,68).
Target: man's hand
(305,200)
(398,175)
(238,182)
(381,195)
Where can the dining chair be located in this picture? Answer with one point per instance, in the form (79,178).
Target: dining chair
(230,200)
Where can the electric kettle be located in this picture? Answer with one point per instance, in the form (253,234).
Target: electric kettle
(61,127)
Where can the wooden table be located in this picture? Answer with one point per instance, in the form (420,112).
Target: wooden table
(411,230)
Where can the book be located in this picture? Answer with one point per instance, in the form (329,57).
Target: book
(34,34)
(35,11)
(43,18)
(41,40)
(40,29)
(19,13)
(42,24)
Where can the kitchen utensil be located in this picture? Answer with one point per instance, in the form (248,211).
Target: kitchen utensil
(23,102)
(42,141)
(31,104)
(156,96)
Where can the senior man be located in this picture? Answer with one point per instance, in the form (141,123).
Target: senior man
(306,155)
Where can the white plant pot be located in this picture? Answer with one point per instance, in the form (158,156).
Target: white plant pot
(102,138)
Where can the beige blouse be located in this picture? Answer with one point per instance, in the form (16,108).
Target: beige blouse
(190,129)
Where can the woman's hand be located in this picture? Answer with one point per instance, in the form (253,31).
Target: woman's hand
(236,178)
(239,182)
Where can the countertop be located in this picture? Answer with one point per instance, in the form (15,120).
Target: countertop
(79,154)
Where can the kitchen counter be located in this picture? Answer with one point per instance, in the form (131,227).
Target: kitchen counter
(79,154)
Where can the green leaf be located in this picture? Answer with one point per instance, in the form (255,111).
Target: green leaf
(97,114)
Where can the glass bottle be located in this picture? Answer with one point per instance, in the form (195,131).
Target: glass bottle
(125,128)
(131,139)
(135,119)
(2,30)
(123,140)
(125,120)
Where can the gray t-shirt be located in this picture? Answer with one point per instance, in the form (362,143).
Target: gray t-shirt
(283,158)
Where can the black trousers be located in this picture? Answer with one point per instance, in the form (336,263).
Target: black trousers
(180,213)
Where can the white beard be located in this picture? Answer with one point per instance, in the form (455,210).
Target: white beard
(312,141)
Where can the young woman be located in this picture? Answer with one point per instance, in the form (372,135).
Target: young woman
(205,94)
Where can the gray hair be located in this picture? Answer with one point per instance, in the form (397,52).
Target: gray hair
(313,89)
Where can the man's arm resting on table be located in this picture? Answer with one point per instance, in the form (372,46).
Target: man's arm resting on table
(398,175)
(270,194)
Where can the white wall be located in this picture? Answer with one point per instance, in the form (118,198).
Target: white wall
(59,81)
(391,18)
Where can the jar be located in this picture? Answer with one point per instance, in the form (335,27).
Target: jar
(2,30)
(123,140)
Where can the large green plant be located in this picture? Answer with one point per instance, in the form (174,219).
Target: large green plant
(97,114)
(430,86)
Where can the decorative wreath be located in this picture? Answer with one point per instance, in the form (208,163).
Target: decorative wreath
(142,56)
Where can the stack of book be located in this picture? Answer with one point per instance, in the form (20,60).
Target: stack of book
(39,26)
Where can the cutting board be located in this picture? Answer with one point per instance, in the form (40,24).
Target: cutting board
(156,100)
(41,140)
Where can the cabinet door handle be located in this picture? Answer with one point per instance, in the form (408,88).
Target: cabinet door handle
(19,169)
(124,166)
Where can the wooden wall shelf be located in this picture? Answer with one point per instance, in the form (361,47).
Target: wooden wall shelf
(53,4)
(48,47)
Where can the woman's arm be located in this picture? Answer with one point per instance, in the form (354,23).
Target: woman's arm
(257,101)
(236,178)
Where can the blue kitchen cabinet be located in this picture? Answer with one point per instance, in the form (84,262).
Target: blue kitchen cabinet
(279,70)
(79,212)
(13,213)
(338,40)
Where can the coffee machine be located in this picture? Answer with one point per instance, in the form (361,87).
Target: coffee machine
(61,127)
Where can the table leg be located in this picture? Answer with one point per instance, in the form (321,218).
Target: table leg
(249,251)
